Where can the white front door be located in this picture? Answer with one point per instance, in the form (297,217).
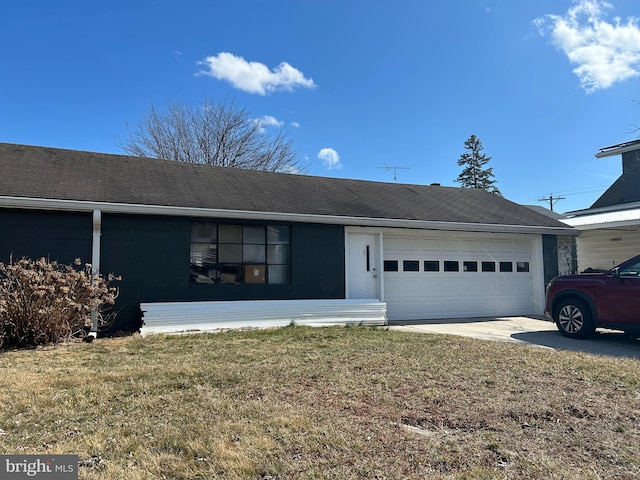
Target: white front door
(362,265)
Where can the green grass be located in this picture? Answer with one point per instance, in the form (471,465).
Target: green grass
(307,403)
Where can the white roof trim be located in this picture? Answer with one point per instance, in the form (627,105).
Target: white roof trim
(618,149)
(619,207)
(621,218)
(136,209)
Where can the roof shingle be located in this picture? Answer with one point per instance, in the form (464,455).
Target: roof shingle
(50,173)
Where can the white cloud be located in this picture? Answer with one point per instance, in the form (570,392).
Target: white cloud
(330,159)
(295,124)
(603,53)
(254,77)
(269,121)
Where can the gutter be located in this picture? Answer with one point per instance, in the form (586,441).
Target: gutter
(137,209)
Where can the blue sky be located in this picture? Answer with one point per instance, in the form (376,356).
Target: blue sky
(356,84)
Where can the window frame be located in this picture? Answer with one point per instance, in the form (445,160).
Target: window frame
(238,251)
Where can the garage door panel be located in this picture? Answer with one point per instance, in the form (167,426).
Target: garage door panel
(488,246)
(469,246)
(489,291)
(449,245)
(522,286)
(524,306)
(431,244)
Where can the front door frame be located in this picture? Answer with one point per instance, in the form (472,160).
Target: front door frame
(377,261)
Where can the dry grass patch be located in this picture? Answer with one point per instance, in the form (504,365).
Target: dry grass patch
(322,403)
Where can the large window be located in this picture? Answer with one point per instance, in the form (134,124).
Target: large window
(236,254)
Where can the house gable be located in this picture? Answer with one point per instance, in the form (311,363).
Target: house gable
(626,189)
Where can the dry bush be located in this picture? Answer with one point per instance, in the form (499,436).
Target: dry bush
(43,302)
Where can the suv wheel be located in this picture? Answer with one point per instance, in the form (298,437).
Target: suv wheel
(573,318)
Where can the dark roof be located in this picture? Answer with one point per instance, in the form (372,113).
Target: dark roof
(546,211)
(614,195)
(50,173)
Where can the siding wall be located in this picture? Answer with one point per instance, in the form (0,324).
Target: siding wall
(152,255)
(601,249)
(59,236)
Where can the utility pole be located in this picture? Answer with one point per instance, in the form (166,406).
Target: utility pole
(551,199)
(395,170)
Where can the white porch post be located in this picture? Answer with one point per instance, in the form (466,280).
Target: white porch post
(95,264)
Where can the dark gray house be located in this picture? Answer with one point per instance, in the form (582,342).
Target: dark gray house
(186,232)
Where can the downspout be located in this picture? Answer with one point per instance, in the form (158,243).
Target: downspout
(95,265)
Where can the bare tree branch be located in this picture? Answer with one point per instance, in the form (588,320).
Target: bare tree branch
(214,134)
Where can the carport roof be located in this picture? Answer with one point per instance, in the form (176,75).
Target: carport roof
(69,179)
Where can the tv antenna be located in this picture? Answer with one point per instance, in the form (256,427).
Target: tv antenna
(394,168)
(551,199)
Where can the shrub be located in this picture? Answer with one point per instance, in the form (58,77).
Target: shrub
(45,302)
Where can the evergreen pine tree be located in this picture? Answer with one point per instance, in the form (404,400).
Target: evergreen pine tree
(474,174)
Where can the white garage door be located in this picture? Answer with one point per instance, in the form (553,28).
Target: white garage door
(439,275)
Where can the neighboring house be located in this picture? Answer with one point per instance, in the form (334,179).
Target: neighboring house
(610,228)
(566,246)
(186,232)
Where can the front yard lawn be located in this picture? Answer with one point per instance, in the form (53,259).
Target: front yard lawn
(305,403)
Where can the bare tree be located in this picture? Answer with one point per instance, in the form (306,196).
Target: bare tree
(214,134)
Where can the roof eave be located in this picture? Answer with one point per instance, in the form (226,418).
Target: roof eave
(609,208)
(137,209)
(606,219)
(618,149)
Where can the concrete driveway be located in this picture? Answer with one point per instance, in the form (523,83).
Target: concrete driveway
(529,330)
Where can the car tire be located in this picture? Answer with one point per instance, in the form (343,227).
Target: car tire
(573,318)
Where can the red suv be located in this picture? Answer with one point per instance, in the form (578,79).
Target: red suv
(580,303)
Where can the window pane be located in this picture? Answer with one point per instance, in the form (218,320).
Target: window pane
(230,233)
(229,273)
(203,232)
(253,235)
(278,274)
(255,273)
(390,265)
(431,266)
(488,266)
(451,266)
(470,266)
(506,267)
(206,273)
(278,254)
(410,266)
(202,253)
(253,253)
(277,235)
(631,270)
(522,266)
(230,252)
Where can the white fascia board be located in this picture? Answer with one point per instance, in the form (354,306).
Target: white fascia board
(135,209)
(621,207)
(623,218)
(617,150)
